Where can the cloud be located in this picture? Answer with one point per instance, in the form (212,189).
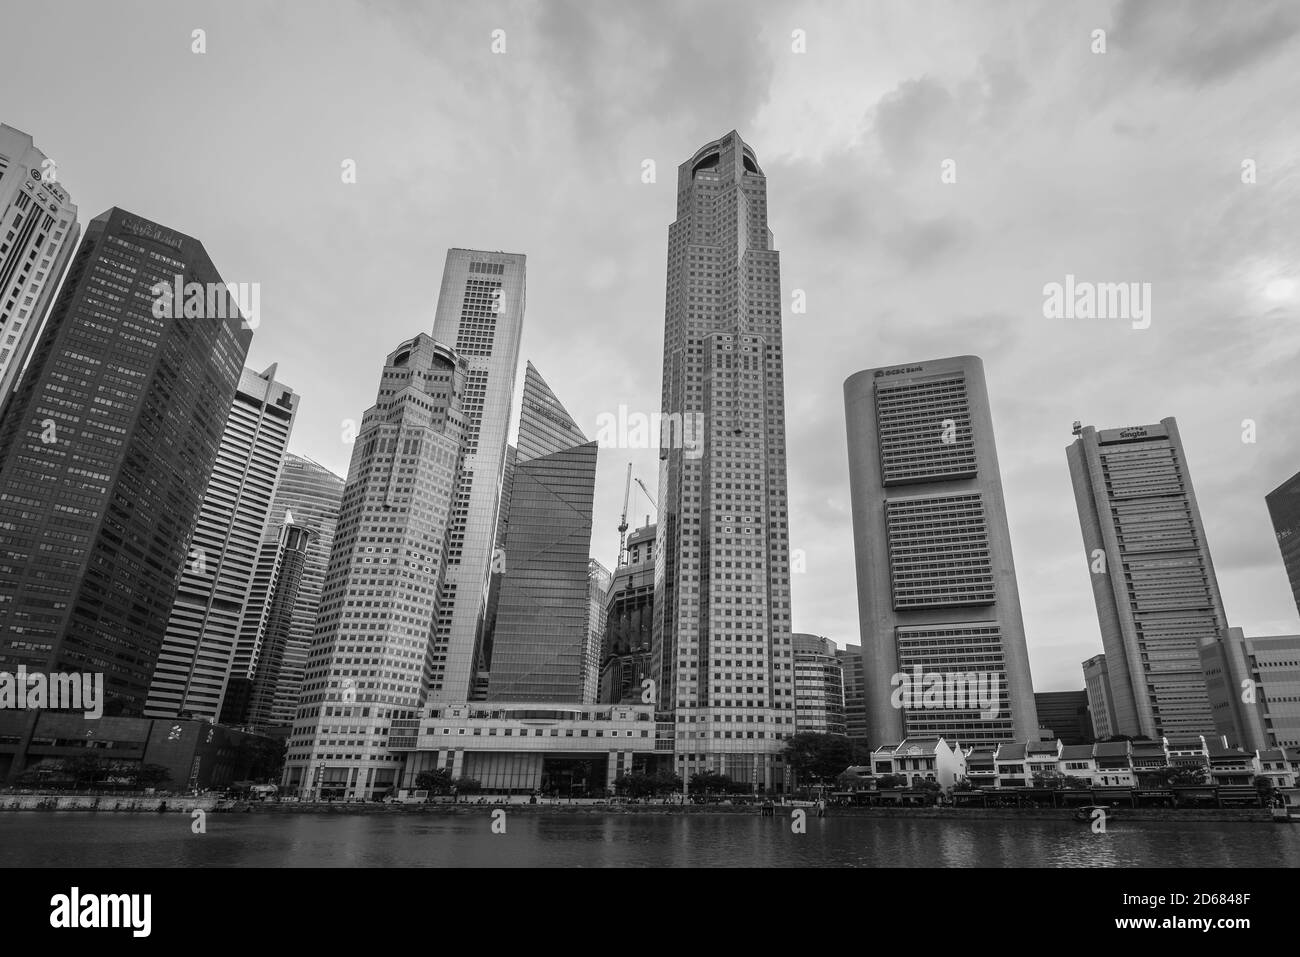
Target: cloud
(1202,43)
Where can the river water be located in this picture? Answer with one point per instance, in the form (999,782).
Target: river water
(532,839)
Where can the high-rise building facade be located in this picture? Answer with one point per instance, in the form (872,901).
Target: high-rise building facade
(1254,688)
(284,600)
(38,232)
(722,646)
(1065,714)
(1096,681)
(599,580)
(855,694)
(197,652)
(818,686)
(540,640)
(937,593)
(373,655)
(105,451)
(1284,509)
(629,622)
(480,314)
(1152,578)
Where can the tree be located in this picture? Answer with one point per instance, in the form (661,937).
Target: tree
(437,781)
(260,759)
(467,785)
(151,776)
(861,756)
(665,782)
(822,757)
(887,781)
(709,782)
(637,784)
(85,769)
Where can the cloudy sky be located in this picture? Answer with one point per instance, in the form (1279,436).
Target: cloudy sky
(1122,166)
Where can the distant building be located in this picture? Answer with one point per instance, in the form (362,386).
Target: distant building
(196,754)
(1096,679)
(1065,714)
(1254,688)
(937,593)
(818,685)
(284,599)
(1284,509)
(855,691)
(373,656)
(1152,576)
(599,580)
(542,746)
(543,618)
(629,623)
(480,687)
(38,232)
(106,448)
(921,758)
(480,314)
(196,657)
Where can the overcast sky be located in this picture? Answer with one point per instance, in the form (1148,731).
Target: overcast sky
(1123,166)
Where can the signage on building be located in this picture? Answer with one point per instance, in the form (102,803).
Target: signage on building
(1132,433)
(138,227)
(901,370)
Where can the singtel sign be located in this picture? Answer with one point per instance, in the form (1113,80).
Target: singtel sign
(138,227)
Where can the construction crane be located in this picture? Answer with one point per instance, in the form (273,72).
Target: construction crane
(622,522)
(647,493)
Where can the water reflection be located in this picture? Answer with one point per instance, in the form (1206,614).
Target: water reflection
(533,839)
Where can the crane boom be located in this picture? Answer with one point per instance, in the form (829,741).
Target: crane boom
(647,494)
(622,522)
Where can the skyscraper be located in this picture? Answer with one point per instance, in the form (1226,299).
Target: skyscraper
(629,622)
(284,599)
(599,580)
(105,451)
(818,686)
(539,645)
(38,231)
(1254,688)
(195,660)
(1152,578)
(1096,681)
(937,593)
(373,653)
(1065,714)
(480,314)
(479,691)
(855,694)
(722,645)
(1284,509)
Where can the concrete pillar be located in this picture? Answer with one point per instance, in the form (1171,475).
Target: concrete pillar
(612,769)
(457,762)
